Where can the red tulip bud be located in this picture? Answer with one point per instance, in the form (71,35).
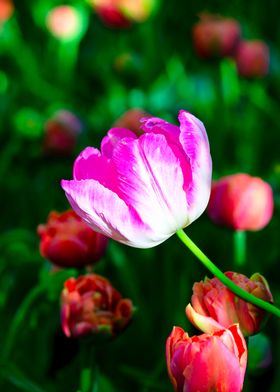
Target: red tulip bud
(91,305)
(61,133)
(110,13)
(67,241)
(252,59)
(215,36)
(241,202)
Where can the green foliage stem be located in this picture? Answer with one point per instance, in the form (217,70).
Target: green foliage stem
(226,281)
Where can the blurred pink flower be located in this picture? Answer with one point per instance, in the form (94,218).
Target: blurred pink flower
(215,36)
(120,13)
(140,191)
(61,133)
(91,305)
(241,202)
(64,22)
(209,362)
(213,304)
(252,59)
(67,241)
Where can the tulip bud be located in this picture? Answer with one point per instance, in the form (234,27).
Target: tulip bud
(6,10)
(110,13)
(209,362)
(61,133)
(252,59)
(241,202)
(132,121)
(215,36)
(91,305)
(67,241)
(213,304)
(64,22)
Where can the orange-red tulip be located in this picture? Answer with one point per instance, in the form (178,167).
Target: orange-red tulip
(213,304)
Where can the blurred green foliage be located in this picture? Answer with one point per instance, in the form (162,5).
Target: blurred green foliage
(99,75)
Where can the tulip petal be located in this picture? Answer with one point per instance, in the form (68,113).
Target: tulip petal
(114,136)
(156,125)
(240,345)
(204,323)
(149,181)
(107,213)
(214,368)
(194,141)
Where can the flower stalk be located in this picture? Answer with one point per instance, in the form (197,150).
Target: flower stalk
(226,281)
(239,242)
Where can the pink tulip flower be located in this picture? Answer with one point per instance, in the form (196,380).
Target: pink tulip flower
(213,304)
(141,190)
(209,362)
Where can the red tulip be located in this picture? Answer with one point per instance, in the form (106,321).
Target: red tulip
(110,13)
(214,305)
(67,241)
(215,36)
(209,362)
(241,202)
(61,133)
(252,59)
(91,305)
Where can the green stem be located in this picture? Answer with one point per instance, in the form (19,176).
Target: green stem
(239,239)
(19,318)
(226,281)
(88,373)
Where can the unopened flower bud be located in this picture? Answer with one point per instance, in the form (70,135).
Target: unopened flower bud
(252,59)
(91,305)
(241,202)
(67,241)
(215,36)
(61,133)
